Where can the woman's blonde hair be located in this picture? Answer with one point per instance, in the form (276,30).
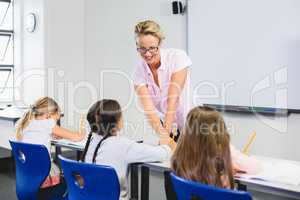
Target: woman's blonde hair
(203,151)
(149,27)
(44,105)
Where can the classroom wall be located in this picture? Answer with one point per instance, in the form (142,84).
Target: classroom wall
(111,50)
(50,61)
(29,52)
(95,38)
(81,44)
(275,137)
(65,56)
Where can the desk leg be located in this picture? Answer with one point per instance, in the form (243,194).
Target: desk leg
(145,183)
(134,181)
(78,155)
(57,152)
(241,186)
(170,192)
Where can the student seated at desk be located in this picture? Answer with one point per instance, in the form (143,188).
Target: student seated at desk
(106,147)
(38,126)
(204,153)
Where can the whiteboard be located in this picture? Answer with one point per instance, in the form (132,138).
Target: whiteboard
(245,52)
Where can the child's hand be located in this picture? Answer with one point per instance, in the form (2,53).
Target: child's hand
(56,137)
(78,136)
(237,170)
(173,144)
(166,140)
(82,135)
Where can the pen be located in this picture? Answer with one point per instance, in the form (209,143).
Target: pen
(250,141)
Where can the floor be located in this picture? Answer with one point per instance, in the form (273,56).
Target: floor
(7,176)
(7,180)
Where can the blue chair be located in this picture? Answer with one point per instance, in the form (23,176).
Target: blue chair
(32,168)
(185,190)
(90,181)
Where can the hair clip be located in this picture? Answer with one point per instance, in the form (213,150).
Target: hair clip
(33,107)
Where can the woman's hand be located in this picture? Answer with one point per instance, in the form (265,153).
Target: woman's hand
(237,170)
(166,140)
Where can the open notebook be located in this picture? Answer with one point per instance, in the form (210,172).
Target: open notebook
(278,171)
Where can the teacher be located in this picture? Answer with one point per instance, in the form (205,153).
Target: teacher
(160,79)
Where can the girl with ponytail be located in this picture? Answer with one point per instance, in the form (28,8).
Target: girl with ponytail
(38,126)
(105,146)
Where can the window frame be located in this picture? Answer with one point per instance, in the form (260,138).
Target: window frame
(8,67)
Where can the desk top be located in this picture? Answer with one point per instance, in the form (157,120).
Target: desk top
(12,113)
(282,189)
(78,146)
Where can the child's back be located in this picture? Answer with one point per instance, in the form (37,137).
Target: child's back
(106,147)
(39,132)
(37,126)
(118,152)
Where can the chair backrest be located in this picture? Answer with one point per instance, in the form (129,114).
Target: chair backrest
(32,168)
(188,190)
(96,181)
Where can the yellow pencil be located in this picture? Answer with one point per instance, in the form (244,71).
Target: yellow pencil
(174,131)
(250,141)
(82,123)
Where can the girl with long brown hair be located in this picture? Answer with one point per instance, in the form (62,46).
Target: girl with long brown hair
(204,153)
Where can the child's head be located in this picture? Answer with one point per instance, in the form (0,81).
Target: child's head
(43,108)
(105,118)
(203,151)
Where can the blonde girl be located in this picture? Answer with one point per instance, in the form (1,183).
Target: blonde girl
(38,126)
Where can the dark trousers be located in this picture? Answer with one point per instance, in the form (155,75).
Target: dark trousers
(56,191)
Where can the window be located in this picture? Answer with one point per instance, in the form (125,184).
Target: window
(6,51)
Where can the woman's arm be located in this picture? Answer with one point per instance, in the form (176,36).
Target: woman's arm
(176,85)
(149,109)
(66,134)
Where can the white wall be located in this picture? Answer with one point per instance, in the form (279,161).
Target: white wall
(29,52)
(65,56)
(76,45)
(269,140)
(50,61)
(110,45)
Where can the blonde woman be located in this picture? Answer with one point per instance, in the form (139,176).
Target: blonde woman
(37,126)
(160,79)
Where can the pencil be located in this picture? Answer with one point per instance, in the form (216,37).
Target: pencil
(81,123)
(248,144)
(174,131)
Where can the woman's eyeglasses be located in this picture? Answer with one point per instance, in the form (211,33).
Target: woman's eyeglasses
(143,50)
